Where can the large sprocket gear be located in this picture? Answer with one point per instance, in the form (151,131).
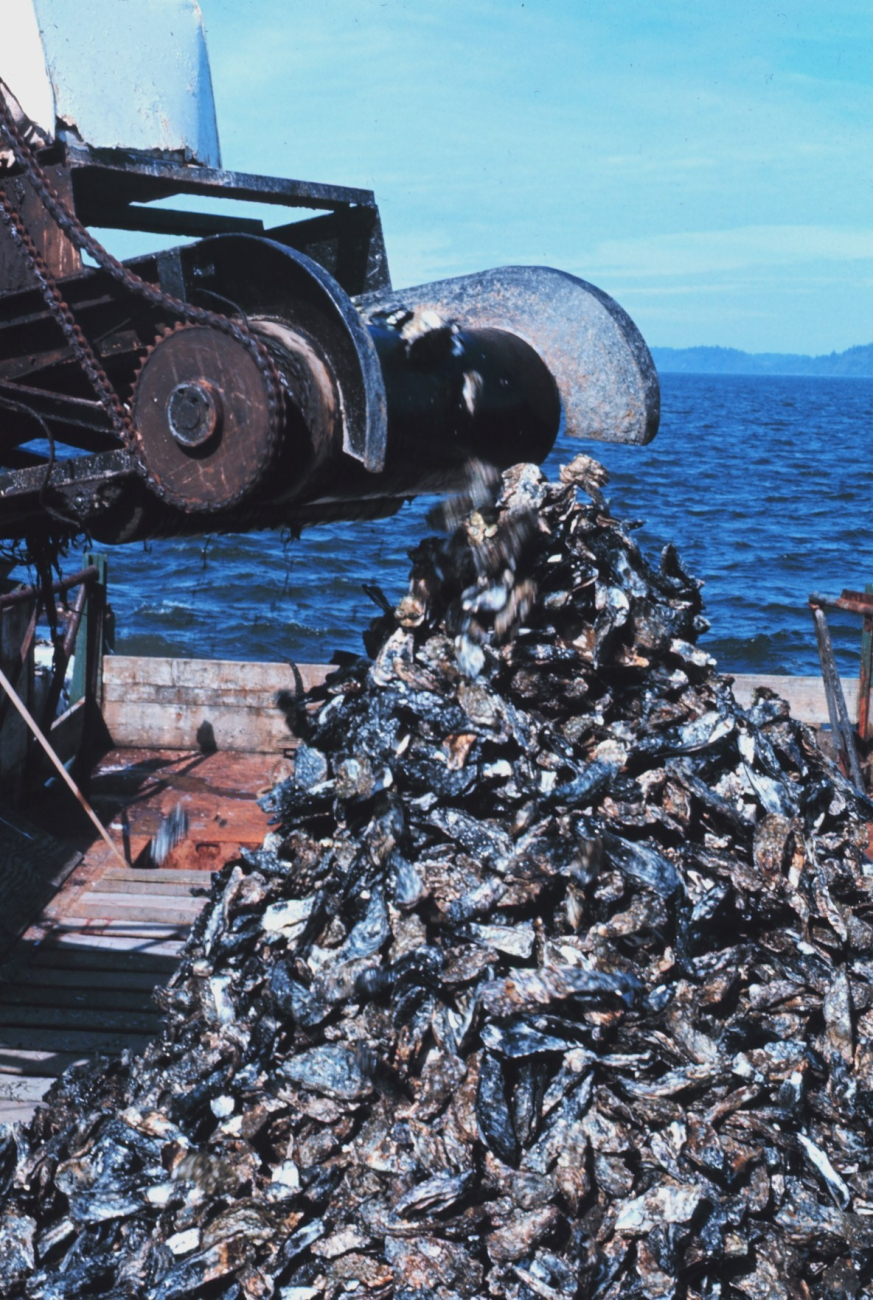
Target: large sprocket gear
(206,426)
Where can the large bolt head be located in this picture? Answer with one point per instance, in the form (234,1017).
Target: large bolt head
(194,413)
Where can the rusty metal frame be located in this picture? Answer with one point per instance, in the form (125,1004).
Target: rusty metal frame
(851,602)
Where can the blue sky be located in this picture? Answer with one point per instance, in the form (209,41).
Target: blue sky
(708,164)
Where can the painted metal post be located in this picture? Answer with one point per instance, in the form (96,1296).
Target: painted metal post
(87,680)
(88,663)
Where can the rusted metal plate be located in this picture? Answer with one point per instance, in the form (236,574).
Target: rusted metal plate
(58,251)
(134,790)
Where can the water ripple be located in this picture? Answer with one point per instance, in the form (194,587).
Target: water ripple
(756,480)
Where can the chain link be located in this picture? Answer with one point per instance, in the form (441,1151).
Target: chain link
(72,227)
(99,380)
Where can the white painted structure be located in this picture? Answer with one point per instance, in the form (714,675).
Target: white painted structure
(117,74)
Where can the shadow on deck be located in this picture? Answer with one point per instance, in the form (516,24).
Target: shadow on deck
(84,942)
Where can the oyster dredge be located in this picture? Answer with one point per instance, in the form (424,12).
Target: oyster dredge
(251,376)
(542,966)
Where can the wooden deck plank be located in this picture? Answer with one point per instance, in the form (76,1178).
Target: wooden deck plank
(805,695)
(124,899)
(85,928)
(20,1112)
(78,1018)
(16,1062)
(106,960)
(166,887)
(67,994)
(97,908)
(24,1088)
(131,948)
(70,1040)
(54,980)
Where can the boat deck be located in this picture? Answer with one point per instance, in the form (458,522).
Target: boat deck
(79,982)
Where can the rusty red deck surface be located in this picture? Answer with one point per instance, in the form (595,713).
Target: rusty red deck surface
(80,980)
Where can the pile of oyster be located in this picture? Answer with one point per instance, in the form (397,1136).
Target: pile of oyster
(554,978)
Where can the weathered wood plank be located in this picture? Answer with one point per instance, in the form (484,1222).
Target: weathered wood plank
(78,1018)
(99,912)
(122,945)
(54,981)
(67,995)
(106,961)
(805,695)
(192,703)
(73,924)
(16,1112)
(156,889)
(88,947)
(219,694)
(177,726)
(178,912)
(17,1062)
(210,673)
(18,1088)
(162,884)
(124,893)
(69,1040)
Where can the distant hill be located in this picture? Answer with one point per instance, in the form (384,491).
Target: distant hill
(855,362)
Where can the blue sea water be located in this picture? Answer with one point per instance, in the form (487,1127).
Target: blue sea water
(764,484)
